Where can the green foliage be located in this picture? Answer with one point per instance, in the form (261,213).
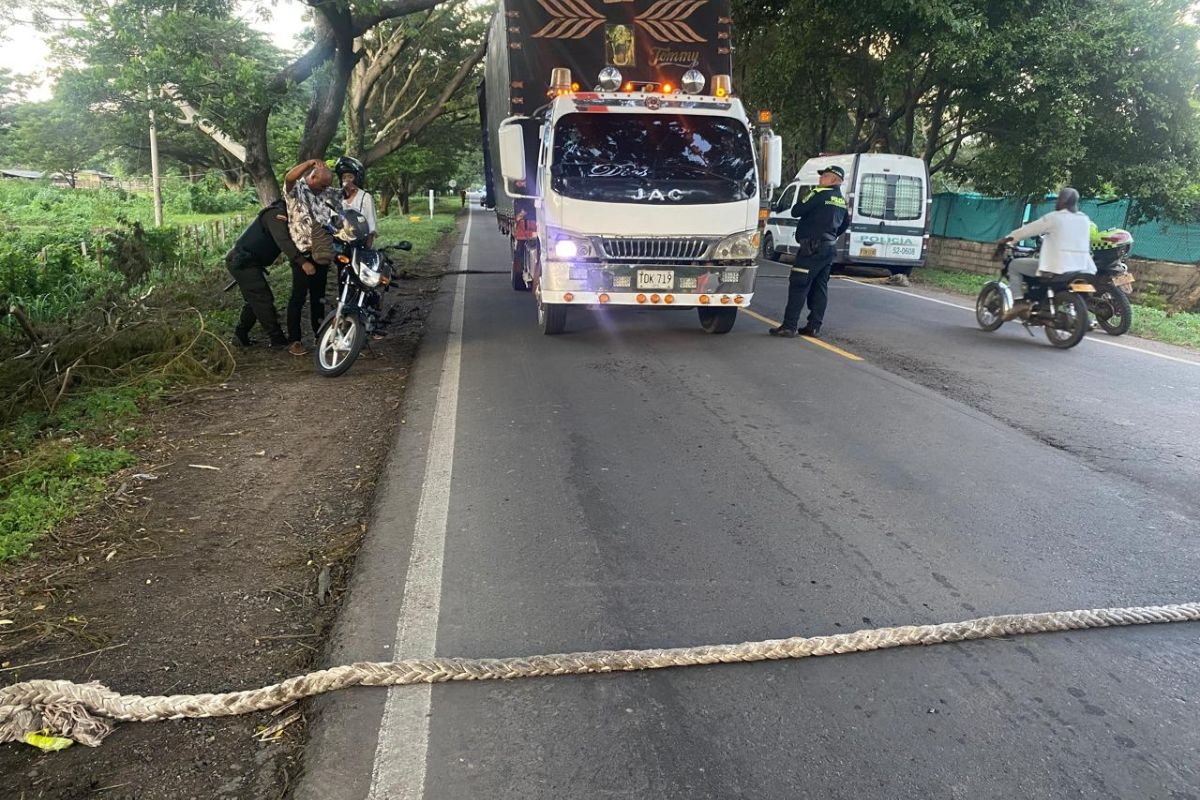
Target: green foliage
(1013,98)
(58,136)
(52,486)
(44,231)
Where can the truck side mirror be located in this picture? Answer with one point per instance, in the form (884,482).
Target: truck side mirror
(774,159)
(512,151)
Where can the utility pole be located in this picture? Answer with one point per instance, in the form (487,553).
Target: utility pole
(157,178)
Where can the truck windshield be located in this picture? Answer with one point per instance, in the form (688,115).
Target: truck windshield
(645,158)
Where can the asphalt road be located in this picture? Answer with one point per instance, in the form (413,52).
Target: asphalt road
(638,483)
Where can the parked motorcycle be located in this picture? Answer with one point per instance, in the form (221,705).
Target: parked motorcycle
(364,275)
(1057,303)
(1110,304)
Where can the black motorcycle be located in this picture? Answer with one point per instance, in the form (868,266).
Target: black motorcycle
(1057,303)
(1110,304)
(364,275)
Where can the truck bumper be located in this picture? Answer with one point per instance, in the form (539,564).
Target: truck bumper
(648,298)
(623,284)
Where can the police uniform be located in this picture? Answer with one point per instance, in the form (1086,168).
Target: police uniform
(255,250)
(823,218)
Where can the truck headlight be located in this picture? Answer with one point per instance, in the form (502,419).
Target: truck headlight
(567,247)
(738,247)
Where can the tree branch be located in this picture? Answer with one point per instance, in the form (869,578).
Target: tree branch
(395,142)
(392,10)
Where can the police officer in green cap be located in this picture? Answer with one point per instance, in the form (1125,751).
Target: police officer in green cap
(823,218)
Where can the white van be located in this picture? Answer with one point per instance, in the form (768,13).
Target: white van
(890,205)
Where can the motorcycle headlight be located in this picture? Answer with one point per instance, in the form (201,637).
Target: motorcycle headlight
(738,247)
(567,247)
(368,272)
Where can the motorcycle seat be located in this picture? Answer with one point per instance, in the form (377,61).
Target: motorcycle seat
(1064,280)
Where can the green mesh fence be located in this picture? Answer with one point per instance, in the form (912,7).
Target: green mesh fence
(985,219)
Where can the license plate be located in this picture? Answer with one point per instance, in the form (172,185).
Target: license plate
(904,251)
(866,252)
(656,279)
(1123,280)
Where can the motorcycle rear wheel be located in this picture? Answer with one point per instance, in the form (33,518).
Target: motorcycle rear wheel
(1070,323)
(1113,311)
(338,344)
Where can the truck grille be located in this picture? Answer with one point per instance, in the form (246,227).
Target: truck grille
(655,249)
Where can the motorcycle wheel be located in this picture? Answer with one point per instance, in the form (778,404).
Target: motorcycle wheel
(1113,311)
(989,307)
(1070,322)
(338,344)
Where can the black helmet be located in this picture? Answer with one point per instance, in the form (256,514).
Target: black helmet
(354,166)
(353,227)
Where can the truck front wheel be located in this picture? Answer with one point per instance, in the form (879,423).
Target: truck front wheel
(552,318)
(718,320)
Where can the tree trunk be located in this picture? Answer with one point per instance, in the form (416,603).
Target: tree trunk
(404,207)
(258,160)
(385,201)
(325,112)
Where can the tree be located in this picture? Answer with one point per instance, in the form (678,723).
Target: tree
(412,73)
(60,136)
(1012,97)
(429,163)
(198,58)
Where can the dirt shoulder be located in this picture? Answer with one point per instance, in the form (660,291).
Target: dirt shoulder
(217,563)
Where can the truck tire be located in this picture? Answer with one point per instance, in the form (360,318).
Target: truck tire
(518,267)
(552,318)
(718,320)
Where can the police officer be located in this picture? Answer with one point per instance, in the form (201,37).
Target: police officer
(255,250)
(823,218)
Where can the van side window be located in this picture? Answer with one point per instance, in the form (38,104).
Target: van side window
(891,197)
(787,199)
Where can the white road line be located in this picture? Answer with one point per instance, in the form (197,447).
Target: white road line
(1092,339)
(400,753)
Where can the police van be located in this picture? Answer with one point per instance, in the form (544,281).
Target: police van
(890,205)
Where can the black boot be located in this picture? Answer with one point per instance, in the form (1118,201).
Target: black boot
(242,337)
(786,333)
(811,332)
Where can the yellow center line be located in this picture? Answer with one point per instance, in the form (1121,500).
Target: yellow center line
(830,347)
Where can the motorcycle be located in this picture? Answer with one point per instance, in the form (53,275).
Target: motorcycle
(364,275)
(1110,304)
(1057,303)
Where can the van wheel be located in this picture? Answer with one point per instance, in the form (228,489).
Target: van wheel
(768,248)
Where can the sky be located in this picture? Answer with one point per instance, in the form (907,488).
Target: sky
(24,51)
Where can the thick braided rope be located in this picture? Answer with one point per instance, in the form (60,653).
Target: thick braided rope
(62,705)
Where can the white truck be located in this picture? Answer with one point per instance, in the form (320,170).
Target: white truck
(890,205)
(623,169)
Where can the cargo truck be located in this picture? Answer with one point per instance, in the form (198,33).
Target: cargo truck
(621,164)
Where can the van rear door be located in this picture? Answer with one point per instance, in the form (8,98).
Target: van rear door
(889,211)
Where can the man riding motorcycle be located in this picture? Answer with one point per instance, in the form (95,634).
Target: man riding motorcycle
(1066,247)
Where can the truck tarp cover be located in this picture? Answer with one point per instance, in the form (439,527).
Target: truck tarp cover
(653,41)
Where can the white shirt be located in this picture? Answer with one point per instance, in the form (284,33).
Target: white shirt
(1066,242)
(363,204)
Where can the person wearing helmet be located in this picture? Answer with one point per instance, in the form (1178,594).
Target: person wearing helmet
(354,194)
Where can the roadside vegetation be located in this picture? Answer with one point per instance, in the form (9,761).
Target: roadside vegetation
(111,338)
(1151,318)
